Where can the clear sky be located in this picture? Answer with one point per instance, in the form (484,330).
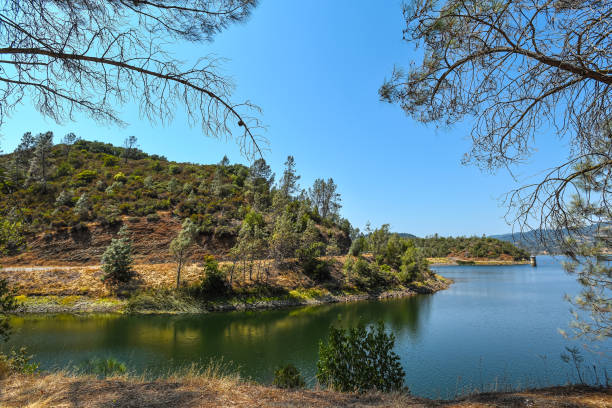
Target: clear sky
(315,67)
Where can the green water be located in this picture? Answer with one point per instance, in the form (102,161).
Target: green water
(496,324)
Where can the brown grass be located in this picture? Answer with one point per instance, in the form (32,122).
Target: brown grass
(87,280)
(211,389)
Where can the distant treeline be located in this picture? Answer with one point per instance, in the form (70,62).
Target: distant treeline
(470,247)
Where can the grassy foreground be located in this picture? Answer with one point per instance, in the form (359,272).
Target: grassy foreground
(212,389)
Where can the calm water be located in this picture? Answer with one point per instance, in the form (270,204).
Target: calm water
(495,324)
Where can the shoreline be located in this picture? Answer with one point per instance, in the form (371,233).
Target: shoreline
(434,262)
(82,304)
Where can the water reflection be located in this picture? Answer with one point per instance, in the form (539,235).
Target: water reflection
(494,322)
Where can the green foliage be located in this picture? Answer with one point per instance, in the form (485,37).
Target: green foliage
(120,177)
(174,169)
(414,266)
(64,169)
(360,359)
(358,246)
(367,275)
(7,304)
(12,239)
(180,246)
(85,177)
(117,259)
(312,266)
(102,367)
(288,377)
(17,362)
(110,160)
(213,283)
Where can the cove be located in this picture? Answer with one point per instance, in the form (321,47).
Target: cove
(495,324)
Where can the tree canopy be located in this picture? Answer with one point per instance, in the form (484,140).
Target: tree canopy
(95,56)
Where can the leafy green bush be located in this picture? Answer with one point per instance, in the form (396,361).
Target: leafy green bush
(117,259)
(360,359)
(174,169)
(17,362)
(312,266)
(367,275)
(358,246)
(110,160)
(85,177)
(64,169)
(213,283)
(120,177)
(288,377)
(102,367)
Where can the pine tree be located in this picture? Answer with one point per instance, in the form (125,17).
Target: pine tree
(181,245)
(117,259)
(289,182)
(39,162)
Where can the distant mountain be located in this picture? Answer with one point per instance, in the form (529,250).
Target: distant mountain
(406,235)
(543,241)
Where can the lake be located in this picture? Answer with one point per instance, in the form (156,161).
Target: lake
(495,325)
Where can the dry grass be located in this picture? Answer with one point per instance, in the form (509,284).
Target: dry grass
(33,280)
(213,389)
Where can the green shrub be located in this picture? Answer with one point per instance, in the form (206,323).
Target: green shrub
(110,160)
(213,283)
(102,367)
(288,377)
(360,359)
(64,169)
(85,177)
(17,362)
(366,275)
(312,266)
(174,169)
(156,166)
(117,259)
(120,177)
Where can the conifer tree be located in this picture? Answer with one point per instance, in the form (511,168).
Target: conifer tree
(117,259)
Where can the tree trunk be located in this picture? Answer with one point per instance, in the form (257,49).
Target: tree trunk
(178,273)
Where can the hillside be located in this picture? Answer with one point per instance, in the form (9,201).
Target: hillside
(72,208)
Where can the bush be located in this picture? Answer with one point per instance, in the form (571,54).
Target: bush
(360,359)
(358,246)
(174,169)
(103,368)
(213,284)
(117,259)
(120,177)
(17,362)
(110,160)
(366,275)
(64,169)
(312,266)
(85,177)
(288,377)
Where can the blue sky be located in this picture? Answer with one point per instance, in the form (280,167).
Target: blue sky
(315,68)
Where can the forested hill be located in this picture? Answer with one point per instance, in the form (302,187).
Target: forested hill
(70,199)
(467,247)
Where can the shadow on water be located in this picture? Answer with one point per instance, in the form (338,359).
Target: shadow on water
(256,341)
